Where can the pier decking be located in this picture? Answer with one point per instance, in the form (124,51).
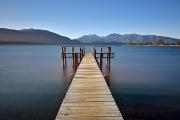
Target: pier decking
(88,97)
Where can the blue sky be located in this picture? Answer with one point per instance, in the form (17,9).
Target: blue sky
(74,18)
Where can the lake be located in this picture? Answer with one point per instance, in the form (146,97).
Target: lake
(145,81)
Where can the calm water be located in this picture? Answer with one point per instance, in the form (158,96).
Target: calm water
(145,82)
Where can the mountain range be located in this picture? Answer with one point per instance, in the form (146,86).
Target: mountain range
(38,36)
(33,36)
(127,38)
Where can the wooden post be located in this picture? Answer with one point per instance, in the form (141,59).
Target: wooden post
(109,48)
(95,53)
(100,59)
(73,56)
(64,56)
(109,58)
(82,53)
(80,56)
(62,52)
(75,61)
(107,75)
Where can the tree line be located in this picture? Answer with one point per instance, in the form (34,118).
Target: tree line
(158,43)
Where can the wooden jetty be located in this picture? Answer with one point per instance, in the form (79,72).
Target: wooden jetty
(88,97)
(77,56)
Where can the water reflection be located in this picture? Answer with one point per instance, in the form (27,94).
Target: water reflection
(143,80)
(68,73)
(107,74)
(71,57)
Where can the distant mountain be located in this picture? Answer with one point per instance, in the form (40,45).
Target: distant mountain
(33,36)
(117,38)
(37,36)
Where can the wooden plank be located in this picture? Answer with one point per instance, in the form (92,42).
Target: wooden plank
(88,97)
(94,113)
(90,118)
(88,104)
(99,108)
(88,88)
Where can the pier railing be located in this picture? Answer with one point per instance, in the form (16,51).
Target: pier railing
(76,56)
(79,53)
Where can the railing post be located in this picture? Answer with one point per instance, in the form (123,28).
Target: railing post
(75,61)
(95,53)
(82,53)
(109,51)
(107,56)
(101,57)
(80,56)
(64,55)
(73,56)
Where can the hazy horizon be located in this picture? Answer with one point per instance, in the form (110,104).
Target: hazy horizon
(88,34)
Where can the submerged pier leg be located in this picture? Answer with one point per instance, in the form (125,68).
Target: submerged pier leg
(109,49)
(108,57)
(76,61)
(107,74)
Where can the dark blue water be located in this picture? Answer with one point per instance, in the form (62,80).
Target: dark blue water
(32,85)
(145,81)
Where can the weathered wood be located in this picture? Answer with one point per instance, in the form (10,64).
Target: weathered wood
(76,61)
(73,62)
(88,104)
(90,118)
(62,52)
(88,97)
(100,59)
(64,56)
(105,55)
(80,56)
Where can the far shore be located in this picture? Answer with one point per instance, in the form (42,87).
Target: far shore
(157,45)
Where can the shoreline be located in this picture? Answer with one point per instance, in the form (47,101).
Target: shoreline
(157,45)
